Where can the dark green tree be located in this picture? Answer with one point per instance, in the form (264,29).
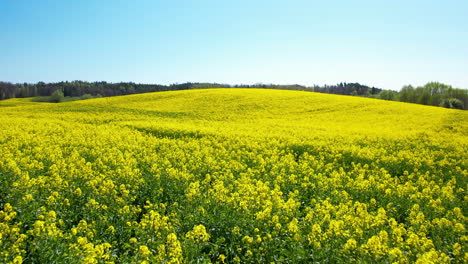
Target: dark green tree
(57,96)
(388,95)
(452,103)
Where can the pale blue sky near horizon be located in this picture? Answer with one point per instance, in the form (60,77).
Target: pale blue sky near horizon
(385,44)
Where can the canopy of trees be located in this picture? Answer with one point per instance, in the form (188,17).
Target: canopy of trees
(79,88)
(437,94)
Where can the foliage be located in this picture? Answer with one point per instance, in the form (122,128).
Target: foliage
(436,94)
(388,95)
(81,88)
(57,96)
(232,176)
(452,103)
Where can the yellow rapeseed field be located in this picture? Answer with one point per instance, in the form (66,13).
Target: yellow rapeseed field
(232,176)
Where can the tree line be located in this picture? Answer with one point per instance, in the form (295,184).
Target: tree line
(436,94)
(433,93)
(80,88)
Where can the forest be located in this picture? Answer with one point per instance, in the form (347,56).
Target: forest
(433,93)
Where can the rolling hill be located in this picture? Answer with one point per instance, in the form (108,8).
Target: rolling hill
(232,175)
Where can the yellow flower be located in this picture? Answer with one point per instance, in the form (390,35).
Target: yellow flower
(377,245)
(7,207)
(82,240)
(258,239)
(198,234)
(144,251)
(456,249)
(459,228)
(222,258)
(247,239)
(18,260)
(292,226)
(236,230)
(174,250)
(432,256)
(395,253)
(350,244)
(28,198)
(111,229)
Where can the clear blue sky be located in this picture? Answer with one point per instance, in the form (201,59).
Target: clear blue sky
(376,42)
